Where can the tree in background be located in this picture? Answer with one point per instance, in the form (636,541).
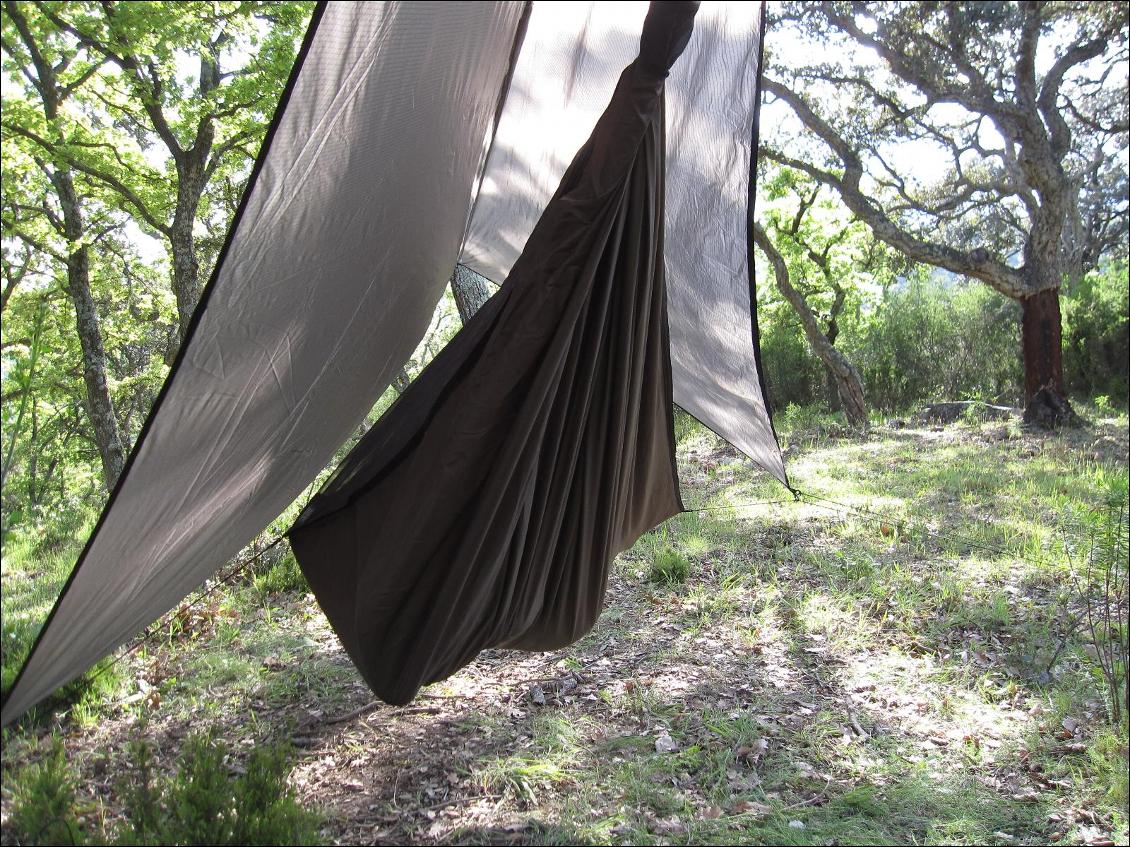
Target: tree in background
(117,117)
(44,210)
(816,254)
(1027,102)
(154,139)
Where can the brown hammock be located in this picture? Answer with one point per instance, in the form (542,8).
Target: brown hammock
(484,509)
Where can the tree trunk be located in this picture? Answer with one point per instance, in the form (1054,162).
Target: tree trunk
(33,454)
(835,404)
(186,278)
(99,404)
(849,389)
(470,290)
(848,385)
(182,242)
(1045,402)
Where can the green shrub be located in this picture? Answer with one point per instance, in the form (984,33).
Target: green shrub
(36,566)
(87,691)
(202,804)
(793,374)
(928,340)
(669,567)
(282,575)
(686,426)
(796,423)
(1097,559)
(43,800)
(1096,334)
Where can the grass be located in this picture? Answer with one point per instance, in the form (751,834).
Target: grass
(790,673)
(33,571)
(669,567)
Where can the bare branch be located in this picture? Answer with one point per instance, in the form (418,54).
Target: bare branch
(978,263)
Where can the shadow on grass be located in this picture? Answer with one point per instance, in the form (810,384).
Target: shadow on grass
(818,680)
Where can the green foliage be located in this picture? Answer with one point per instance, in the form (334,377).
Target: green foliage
(202,804)
(799,423)
(35,566)
(282,575)
(1099,572)
(915,336)
(1096,333)
(43,800)
(685,426)
(927,341)
(142,793)
(794,376)
(122,160)
(669,567)
(834,264)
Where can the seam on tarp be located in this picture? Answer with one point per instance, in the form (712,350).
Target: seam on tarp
(190,332)
(503,96)
(751,198)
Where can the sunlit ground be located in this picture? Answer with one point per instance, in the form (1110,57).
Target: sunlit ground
(910,672)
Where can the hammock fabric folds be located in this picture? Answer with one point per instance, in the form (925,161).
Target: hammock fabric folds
(485,507)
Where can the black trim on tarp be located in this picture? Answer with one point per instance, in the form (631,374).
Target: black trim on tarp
(751,201)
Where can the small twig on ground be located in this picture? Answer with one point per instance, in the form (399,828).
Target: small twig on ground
(821,794)
(415,710)
(374,704)
(356,713)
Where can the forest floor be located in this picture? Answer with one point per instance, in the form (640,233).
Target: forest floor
(905,664)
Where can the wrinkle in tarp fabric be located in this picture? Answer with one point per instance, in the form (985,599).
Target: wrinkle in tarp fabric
(571,56)
(485,507)
(342,245)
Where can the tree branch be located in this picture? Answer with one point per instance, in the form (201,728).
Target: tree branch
(34,243)
(977,263)
(148,91)
(77,164)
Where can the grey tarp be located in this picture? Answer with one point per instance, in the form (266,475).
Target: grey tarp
(571,57)
(352,220)
(347,236)
(484,508)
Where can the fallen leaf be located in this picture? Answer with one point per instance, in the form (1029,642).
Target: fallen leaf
(749,807)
